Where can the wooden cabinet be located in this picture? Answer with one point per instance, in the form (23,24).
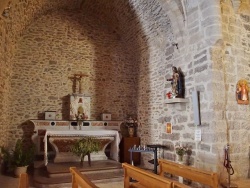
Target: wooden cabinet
(125,145)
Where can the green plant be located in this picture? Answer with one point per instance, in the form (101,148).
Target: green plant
(20,156)
(4,154)
(85,146)
(23,156)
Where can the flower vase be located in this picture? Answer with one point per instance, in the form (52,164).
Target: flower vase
(180,161)
(131,131)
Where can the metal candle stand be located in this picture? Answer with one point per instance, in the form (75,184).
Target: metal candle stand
(149,148)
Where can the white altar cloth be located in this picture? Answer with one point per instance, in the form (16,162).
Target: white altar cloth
(114,153)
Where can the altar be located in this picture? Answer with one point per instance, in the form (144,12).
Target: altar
(54,136)
(111,137)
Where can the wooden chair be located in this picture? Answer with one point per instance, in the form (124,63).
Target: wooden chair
(145,179)
(79,179)
(188,172)
(23,181)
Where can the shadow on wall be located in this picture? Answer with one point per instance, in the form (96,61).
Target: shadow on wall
(121,49)
(28,131)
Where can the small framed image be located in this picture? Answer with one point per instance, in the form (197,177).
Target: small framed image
(106,117)
(50,115)
(169,128)
(242,91)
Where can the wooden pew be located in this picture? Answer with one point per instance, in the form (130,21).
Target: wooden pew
(23,181)
(145,179)
(79,179)
(188,172)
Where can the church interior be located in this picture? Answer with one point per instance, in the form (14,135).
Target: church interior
(148,79)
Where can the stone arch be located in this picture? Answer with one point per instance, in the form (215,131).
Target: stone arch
(176,13)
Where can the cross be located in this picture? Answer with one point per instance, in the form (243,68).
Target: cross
(77,77)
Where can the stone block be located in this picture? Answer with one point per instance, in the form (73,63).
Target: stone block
(247,27)
(211,11)
(205,147)
(201,68)
(211,21)
(201,60)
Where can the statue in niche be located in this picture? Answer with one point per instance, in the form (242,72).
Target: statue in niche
(177,82)
(79,107)
(79,103)
(242,92)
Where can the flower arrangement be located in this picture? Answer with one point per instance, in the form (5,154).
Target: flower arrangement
(85,146)
(131,122)
(181,151)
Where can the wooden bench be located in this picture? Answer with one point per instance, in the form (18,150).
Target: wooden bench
(144,178)
(188,172)
(79,179)
(23,181)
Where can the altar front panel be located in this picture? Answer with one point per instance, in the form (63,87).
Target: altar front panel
(112,135)
(62,145)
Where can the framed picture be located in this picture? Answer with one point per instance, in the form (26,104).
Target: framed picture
(242,90)
(169,128)
(106,117)
(50,115)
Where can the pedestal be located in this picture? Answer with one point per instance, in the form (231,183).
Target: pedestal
(126,144)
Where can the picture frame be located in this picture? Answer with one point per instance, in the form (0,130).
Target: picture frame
(106,117)
(50,115)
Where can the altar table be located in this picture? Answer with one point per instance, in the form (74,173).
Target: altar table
(114,149)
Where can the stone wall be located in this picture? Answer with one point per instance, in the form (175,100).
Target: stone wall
(20,14)
(5,73)
(127,49)
(59,44)
(235,55)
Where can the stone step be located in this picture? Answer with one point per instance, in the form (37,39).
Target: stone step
(55,169)
(98,177)
(58,175)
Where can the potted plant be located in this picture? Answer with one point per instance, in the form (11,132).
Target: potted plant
(85,146)
(181,151)
(19,158)
(4,156)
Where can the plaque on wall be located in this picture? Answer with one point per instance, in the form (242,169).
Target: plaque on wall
(79,107)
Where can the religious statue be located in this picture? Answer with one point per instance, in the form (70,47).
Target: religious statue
(79,107)
(242,92)
(79,103)
(77,78)
(177,82)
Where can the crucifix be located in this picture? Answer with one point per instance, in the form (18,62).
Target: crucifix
(77,78)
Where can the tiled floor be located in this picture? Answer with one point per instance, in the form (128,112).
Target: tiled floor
(8,182)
